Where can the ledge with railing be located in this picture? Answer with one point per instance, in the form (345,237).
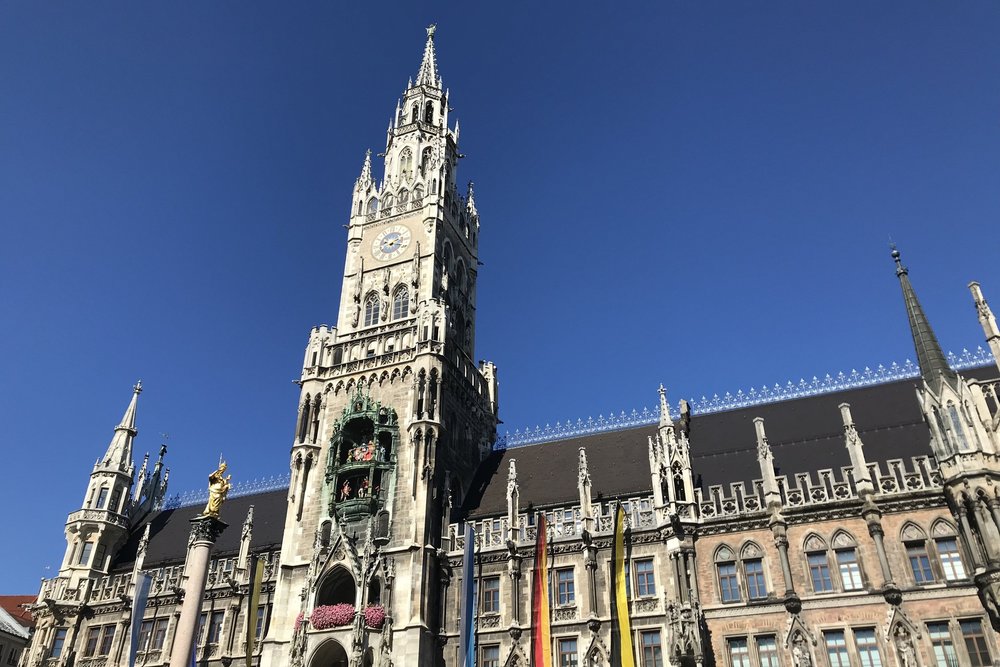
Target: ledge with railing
(895,477)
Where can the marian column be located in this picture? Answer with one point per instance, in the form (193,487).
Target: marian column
(205,530)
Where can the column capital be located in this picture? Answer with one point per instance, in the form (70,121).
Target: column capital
(206,529)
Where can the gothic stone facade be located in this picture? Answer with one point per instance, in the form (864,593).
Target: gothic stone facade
(849,524)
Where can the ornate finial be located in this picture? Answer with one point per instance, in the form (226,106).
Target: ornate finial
(366,169)
(583,469)
(900,269)
(144,541)
(427,74)
(248,523)
(137,387)
(218,489)
(470,199)
(664,408)
(763,448)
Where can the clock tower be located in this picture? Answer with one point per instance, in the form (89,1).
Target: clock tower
(394,415)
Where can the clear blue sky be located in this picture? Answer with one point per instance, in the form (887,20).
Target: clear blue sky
(693,193)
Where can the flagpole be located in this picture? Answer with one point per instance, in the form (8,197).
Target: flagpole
(475,627)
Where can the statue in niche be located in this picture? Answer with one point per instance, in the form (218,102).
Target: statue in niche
(218,489)
(345,490)
(904,646)
(800,651)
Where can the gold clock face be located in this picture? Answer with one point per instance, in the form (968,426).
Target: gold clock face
(391,242)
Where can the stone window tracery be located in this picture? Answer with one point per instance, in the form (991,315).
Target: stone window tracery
(400,302)
(948,551)
(371,310)
(752,557)
(848,566)
(818,563)
(725,566)
(915,540)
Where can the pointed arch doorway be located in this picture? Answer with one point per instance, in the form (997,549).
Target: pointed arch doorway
(329,654)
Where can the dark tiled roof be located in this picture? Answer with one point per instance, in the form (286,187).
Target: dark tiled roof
(168,537)
(805,434)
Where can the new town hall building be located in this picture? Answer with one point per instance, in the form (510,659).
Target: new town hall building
(853,521)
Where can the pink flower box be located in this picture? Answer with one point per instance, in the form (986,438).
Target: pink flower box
(332,616)
(375,616)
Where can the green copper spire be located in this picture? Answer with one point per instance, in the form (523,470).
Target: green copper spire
(933,364)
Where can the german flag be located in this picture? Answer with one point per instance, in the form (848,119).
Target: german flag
(541,639)
(621,629)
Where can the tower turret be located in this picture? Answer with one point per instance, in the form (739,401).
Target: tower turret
(101,525)
(965,439)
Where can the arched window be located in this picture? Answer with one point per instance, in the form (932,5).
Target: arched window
(949,554)
(845,550)
(425,160)
(414,114)
(338,356)
(400,302)
(957,427)
(678,476)
(387,202)
(915,539)
(446,258)
(418,192)
(373,205)
(304,418)
(337,587)
(116,498)
(752,559)
(371,310)
(406,163)
(429,113)
(102,497)
(818,561)
(725,567)
(460,274)
(404,196)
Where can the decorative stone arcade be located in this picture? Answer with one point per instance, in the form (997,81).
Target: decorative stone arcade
(363,459)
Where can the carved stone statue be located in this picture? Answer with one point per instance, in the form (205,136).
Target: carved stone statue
(904,645)
(218,489)
(800,652)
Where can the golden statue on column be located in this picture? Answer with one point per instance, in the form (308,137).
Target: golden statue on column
(218,488)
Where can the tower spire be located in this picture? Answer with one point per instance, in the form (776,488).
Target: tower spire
(428,74)
(933,365)
(366,169)
(665,419)
(119,452)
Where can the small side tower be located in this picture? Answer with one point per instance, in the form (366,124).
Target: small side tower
(100,526)
(964,438)
(94,533)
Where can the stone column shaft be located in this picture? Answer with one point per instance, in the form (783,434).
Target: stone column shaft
(204,531)
(786,568)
